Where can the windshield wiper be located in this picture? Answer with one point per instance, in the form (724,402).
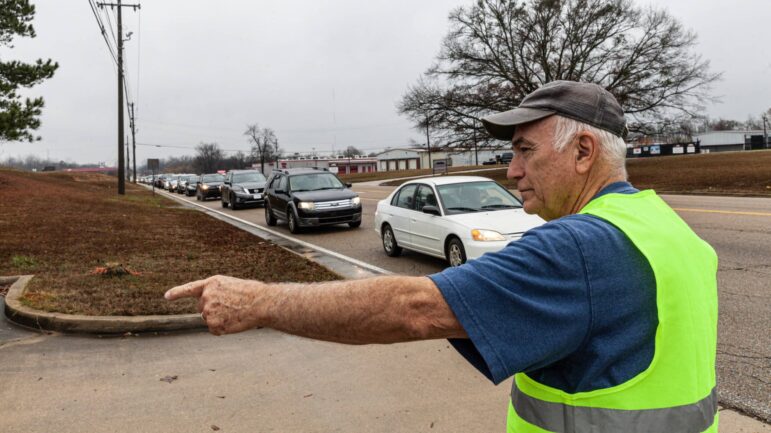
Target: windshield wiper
(500,206)
(469,209)
(327,187)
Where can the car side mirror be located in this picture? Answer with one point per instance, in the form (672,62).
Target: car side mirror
(348,184)
(227,183)
(433,210)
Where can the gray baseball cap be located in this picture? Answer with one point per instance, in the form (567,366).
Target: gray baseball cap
(584,102)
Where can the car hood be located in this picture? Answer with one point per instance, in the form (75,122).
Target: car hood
(325,195)
(506,222)
(251,185)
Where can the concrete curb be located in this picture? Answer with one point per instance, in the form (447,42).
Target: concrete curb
(77,323)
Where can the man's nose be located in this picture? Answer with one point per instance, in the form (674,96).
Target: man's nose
(515,170)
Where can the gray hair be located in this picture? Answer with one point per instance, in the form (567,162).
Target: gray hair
(613,147)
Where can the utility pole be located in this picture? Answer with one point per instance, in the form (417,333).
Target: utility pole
(428,145)
(476,151)
(133,138)
(128,160)
(121,166)
(765,134)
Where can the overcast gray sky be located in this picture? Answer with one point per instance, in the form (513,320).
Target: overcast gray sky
(322,74)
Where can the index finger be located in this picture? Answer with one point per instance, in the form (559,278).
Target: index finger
(189,290)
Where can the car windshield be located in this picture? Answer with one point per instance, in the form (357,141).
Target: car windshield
(213,178)
(476,197)
(191,178)
(314,182)
(248,177)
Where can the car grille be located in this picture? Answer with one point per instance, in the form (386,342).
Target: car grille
(256,190)
(332,205)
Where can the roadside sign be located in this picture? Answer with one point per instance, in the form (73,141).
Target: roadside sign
(153,164)
(440,166)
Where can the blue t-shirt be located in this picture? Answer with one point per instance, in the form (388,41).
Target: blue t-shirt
(572,304)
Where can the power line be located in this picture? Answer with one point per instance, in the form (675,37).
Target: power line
(102,31)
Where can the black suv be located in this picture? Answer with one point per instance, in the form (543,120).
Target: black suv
(307,197)
(208,186)
(243,187)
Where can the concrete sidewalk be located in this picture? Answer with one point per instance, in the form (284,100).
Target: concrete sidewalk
(257,381)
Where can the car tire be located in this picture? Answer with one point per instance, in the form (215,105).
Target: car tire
(354,224)
(391,248)
(270,219)
(233,204)
(456,253)
(291,221)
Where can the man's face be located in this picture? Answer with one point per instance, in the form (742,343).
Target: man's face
(545,177)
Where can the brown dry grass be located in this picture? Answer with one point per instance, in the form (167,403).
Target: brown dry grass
(728,173)
(62,226)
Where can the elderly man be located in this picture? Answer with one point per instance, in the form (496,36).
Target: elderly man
(606,316)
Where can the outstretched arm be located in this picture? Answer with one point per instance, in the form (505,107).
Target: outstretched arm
(373,310)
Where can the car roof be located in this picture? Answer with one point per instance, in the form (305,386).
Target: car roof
(302,170)
(446,180)
(245,171)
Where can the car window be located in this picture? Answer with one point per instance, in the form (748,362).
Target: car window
(315,182)
(424,197)
(282,184)
(248,177)
(212,178)
(476,196)
(405,198)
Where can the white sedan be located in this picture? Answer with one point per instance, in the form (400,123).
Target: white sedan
(452,217)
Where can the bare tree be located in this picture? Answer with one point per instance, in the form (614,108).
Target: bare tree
(208,157)
(498,51)
(351,151)
(264,144)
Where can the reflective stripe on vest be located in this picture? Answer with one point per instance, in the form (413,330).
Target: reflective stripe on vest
(559,418)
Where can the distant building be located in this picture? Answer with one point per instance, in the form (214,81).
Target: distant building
(416,158)
(336,165)
(722,141)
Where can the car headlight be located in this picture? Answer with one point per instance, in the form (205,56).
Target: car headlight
(204,187)
(307,205)
(486,235)
(356,201)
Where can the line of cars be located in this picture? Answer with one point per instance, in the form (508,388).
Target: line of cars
(456,218)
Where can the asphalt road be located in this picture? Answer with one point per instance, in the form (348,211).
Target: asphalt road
(739,228)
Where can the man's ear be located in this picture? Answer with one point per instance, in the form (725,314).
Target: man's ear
(587,151)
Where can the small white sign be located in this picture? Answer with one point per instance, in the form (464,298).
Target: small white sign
(677,150)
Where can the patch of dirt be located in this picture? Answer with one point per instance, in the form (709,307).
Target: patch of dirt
(67,228)
(4,290)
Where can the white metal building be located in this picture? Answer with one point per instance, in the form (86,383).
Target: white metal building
(722,141)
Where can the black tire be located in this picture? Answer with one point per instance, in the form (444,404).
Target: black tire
(270,219)
(233,204)
(354,224)
(391,248)
(456,253)
(291,221)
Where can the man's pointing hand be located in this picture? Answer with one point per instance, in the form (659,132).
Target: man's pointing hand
(226,304)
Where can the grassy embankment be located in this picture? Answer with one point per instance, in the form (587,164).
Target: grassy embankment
(66,228)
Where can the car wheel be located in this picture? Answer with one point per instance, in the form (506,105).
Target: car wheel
(224,203)
(291,221)
(233,204)
(270,219)
(392,249)
(456,254)
(354,224)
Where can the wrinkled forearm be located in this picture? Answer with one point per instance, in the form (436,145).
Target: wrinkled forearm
(375,310)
